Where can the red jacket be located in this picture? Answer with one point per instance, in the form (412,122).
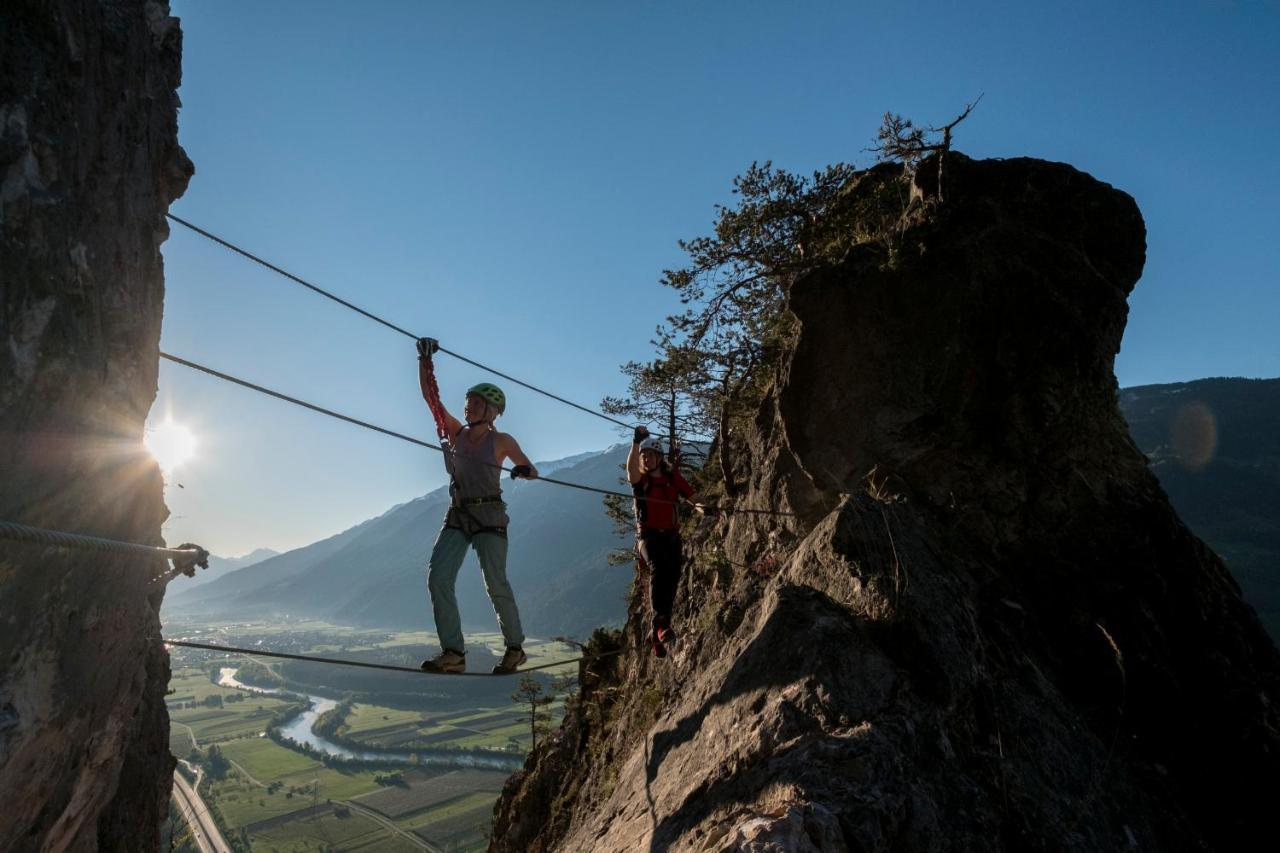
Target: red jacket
(660,512)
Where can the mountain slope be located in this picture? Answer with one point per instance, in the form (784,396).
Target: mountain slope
(222,566)
(1214,444)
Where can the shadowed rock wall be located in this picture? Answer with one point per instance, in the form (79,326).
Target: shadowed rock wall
(985,628)
(89,162)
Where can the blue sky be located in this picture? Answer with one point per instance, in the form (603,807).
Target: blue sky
(512,178)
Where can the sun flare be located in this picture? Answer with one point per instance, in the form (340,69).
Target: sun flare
(171,444)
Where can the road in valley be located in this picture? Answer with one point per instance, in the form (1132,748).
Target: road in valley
(206,833)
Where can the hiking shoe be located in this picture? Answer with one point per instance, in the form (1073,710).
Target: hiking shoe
(510,661)
(447,661)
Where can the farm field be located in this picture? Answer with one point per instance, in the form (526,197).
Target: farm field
(421,792)
(180,742)
(302,782)
(386,728)
(220,724)
(264,759)
(456,823)
(329,831)
(276,798)
(451,808)
(190,688)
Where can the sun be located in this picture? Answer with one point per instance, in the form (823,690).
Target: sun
(171,444)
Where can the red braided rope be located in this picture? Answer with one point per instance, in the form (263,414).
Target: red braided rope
(433,401)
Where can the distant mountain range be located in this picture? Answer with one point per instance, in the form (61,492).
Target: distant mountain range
(1213,443)
(374,574)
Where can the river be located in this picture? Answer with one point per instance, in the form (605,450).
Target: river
(300,730)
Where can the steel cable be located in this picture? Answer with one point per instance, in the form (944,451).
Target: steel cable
(266,653)
(183,558)
(328,295)
(357,422)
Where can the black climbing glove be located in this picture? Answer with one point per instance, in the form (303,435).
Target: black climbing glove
(640,435)
(524,471)
(427,347)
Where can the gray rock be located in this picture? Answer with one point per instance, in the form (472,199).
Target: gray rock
(89,162)
(985,628)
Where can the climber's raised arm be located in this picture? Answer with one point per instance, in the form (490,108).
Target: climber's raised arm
(427,346)
(633,458)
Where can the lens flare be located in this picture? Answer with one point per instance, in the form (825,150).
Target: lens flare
(1194,435)
(171,444)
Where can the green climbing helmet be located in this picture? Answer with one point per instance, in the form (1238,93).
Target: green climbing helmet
(491,394)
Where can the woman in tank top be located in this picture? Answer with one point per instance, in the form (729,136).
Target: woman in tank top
(477,517)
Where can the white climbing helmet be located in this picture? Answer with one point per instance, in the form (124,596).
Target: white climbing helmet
(651,443)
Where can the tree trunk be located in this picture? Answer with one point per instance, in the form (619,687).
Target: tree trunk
(725,454)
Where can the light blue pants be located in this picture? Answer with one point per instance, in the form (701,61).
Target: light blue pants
(442,577)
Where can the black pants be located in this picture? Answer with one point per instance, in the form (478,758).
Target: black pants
(660,549)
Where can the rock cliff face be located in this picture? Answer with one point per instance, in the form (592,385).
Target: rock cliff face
(89,162)
(984,629)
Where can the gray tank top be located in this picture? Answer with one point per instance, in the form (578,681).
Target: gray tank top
(475,469)
(476,475)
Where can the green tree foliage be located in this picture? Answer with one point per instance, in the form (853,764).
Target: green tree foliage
(713,357)
(900,140)
(530,693)
(619,511)
(662,393)
(329,723)
(215,763)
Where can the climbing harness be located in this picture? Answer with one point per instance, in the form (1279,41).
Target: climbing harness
(492,499)
(460,517)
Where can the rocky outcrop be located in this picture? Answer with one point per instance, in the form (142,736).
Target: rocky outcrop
(984,628)
(89,162)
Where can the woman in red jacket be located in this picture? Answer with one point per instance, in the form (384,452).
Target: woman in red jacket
(658,488)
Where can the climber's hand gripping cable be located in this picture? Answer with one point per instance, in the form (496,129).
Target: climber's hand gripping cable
(187,565)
